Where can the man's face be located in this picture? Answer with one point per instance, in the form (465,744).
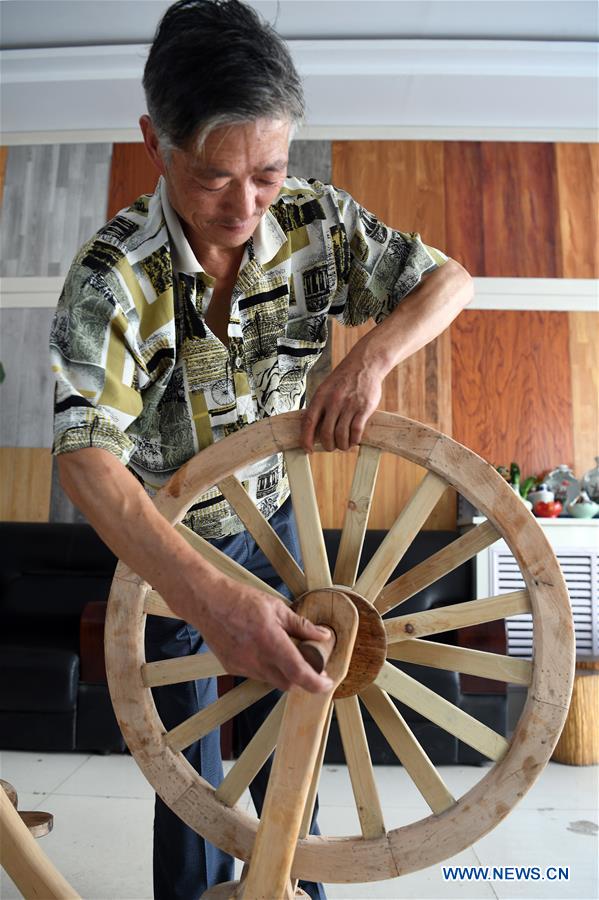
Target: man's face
(222,191)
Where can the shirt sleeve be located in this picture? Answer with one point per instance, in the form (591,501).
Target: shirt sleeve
(377,266)
(97,396)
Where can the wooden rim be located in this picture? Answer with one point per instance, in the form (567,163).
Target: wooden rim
(376,854)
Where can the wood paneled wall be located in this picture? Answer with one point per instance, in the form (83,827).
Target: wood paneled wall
(132,174)
(400,188)
(510,385)
(584,366)
(25,480)
(520,385)
(512,390)
(517,210)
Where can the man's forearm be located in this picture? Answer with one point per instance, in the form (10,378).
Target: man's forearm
(121,512)
(420,317)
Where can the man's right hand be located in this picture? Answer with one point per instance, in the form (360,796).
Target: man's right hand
(251,634)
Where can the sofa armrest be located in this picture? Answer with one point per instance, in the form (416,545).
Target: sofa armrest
(91,642)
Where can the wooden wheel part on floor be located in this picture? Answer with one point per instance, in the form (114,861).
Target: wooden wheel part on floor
(454,823)
(27,865)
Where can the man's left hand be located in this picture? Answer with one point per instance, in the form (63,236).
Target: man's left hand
(346,399)
(342,405)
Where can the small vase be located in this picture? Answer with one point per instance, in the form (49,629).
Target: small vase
(564,485)
(541,494)
(590,482)
(583,507)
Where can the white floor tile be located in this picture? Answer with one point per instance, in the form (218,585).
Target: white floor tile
(102,846)
(343,821)
(28,800)
(395,786)
(564,786)
(103,828)
(108,776)
(39,772)
(546,837)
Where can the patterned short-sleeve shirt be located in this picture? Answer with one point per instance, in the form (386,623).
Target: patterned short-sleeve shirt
(140,374)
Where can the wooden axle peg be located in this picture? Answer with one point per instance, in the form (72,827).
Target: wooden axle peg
(317,653)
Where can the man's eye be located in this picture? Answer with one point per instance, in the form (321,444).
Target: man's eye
(211,190)
(271,182)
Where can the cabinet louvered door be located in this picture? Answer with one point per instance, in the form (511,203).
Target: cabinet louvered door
(581,573)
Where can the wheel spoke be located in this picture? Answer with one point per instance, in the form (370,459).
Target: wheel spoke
(356,515)
(311,798)
(264,535)
(314,552)
(216,714)
(437,565)
(187,668)
(400,536)
(359,764)
(462,659)
(441,712)
(252,758)
(224,564)
(459,615)
(154,605)
(407,749)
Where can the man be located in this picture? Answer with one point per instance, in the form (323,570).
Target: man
(201,309)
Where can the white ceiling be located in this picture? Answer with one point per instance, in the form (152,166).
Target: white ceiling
(518,69)
(60,23)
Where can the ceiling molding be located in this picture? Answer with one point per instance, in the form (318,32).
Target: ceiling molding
(549,294)
(444,89)
(566,59)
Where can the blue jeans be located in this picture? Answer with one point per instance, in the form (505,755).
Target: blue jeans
(185,865)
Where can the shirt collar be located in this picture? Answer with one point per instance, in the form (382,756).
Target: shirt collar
(268,237)
(183,257)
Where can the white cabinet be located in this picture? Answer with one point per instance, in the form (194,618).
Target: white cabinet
(575,543)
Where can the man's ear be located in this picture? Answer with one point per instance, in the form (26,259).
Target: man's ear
(152,144)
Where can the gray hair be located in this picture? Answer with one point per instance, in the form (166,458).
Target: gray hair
(214,63)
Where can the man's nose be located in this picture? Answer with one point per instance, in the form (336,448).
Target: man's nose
(242,201)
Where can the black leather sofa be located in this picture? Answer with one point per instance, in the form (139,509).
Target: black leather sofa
(54,581)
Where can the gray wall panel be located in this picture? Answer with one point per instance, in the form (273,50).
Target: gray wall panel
(26,394)
(311,159)
(55,198)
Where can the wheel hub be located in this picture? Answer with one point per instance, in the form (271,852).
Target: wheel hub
(369,649)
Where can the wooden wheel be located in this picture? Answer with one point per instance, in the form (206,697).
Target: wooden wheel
(454,823)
